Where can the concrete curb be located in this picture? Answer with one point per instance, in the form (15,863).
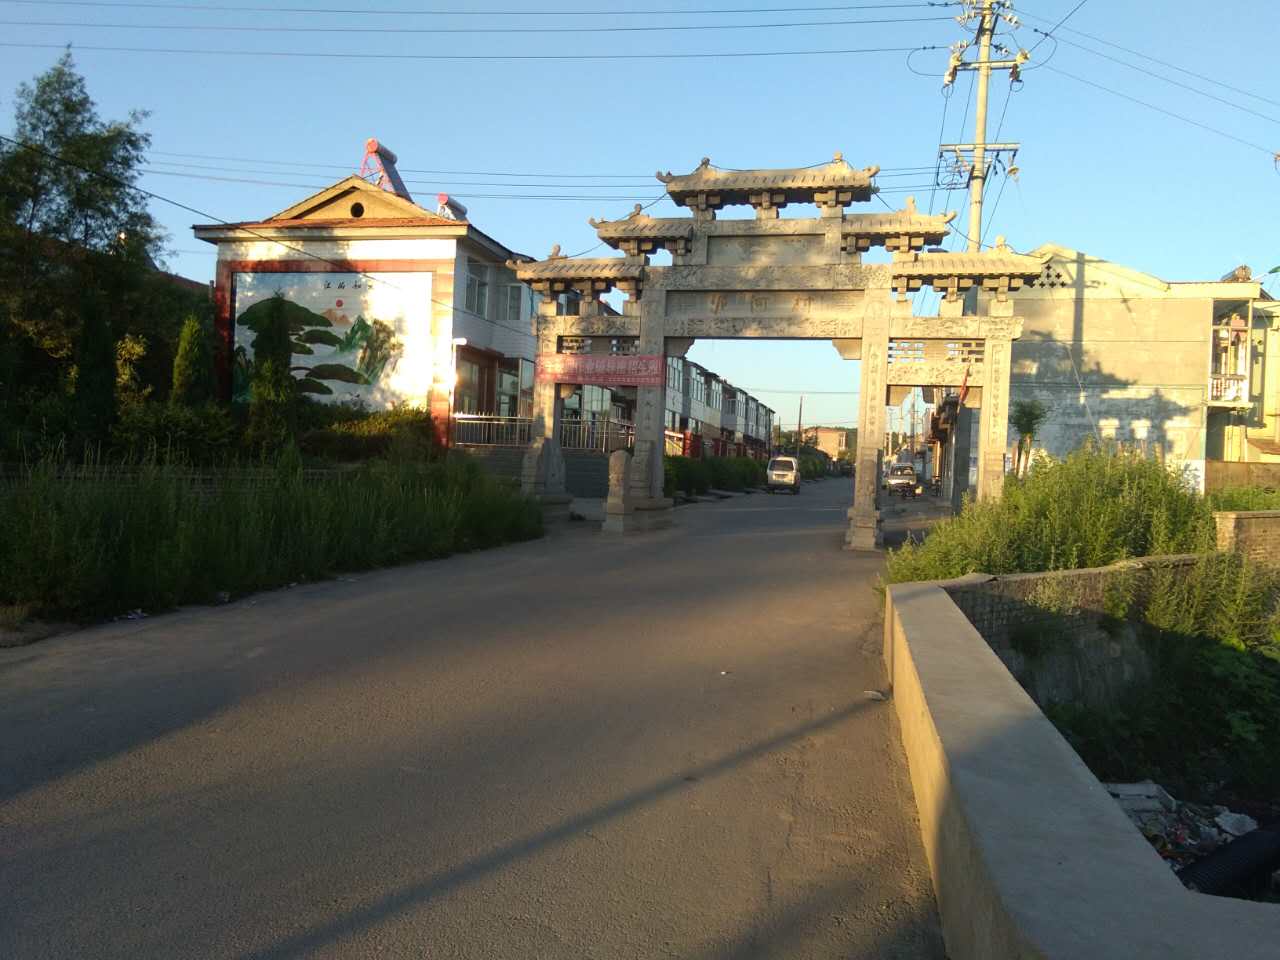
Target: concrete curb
(1030,857)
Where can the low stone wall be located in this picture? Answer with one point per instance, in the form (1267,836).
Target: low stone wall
(1063,635)
(1221,474)
(1030,857)
(1254,533)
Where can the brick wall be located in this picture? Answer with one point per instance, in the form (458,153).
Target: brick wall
(1254,533)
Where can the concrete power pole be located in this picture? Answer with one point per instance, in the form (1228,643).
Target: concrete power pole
(977,151)
(985,28)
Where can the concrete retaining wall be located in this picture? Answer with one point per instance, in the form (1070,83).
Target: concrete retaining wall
(1254,533)
(586,471)
(1030,857)
(1063,635)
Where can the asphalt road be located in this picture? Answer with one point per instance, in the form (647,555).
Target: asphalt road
(579,747)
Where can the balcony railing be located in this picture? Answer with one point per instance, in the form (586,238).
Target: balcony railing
(490,431)
(1229,388)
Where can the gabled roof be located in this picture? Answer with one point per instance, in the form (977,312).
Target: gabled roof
(321,201)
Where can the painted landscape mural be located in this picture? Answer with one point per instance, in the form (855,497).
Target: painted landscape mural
(356,338)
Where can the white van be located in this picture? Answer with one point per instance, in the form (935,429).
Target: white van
(783,474)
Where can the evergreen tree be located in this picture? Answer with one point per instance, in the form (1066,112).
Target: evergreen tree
(95,392)
(193,366)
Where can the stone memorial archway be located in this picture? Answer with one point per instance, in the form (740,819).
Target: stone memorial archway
(774,278)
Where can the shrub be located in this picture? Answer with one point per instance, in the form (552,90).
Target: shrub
(1092,509)
(87,542)
(691,476)
(1244,498)
(402,432)
(203,435)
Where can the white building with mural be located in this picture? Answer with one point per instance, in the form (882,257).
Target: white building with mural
(388,303)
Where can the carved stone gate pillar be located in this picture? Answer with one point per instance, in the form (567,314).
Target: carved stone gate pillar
(645,507)
(864,515)
(542,473)
(993,434)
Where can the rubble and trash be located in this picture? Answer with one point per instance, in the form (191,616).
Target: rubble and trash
(1189,833)
(874,695)
(1180,832)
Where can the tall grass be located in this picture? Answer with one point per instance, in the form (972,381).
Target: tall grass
(1093,508)
(83,542)
(1244,498)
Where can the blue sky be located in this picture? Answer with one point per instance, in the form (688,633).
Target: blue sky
(1096,172)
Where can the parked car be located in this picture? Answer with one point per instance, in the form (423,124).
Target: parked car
(901,479)
(783,473)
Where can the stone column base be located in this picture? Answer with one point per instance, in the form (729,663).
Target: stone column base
(638,516)
(555,507)
(864,531)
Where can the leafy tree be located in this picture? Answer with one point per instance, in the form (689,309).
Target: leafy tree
(193,366)
(1026,416)
(55,213)
(74,227)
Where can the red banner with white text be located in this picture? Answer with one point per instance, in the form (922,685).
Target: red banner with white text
(602,370)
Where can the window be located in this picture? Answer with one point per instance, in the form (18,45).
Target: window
(477,288)
(511,307)
(466,397)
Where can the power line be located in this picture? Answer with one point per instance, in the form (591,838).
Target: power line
(465,173)
(1163,63)
(458,183)
(456,57)
(341,266)
(463,12)
(1169,80)
(1070,13)
(1168,113)
(648,28)
(898,189)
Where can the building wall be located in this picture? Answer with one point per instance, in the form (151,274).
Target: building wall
(493,330)
(1118,355)
(412,284)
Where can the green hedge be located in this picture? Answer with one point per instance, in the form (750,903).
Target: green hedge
(402,432)
(691,476)
(90,542)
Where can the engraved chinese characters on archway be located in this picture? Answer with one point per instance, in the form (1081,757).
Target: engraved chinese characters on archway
(764,313)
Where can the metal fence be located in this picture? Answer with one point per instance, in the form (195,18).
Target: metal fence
(605,436)
(602,435)
(490,431)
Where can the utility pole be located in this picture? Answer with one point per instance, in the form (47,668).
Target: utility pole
(985,28)
(977,150)
(800,425)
